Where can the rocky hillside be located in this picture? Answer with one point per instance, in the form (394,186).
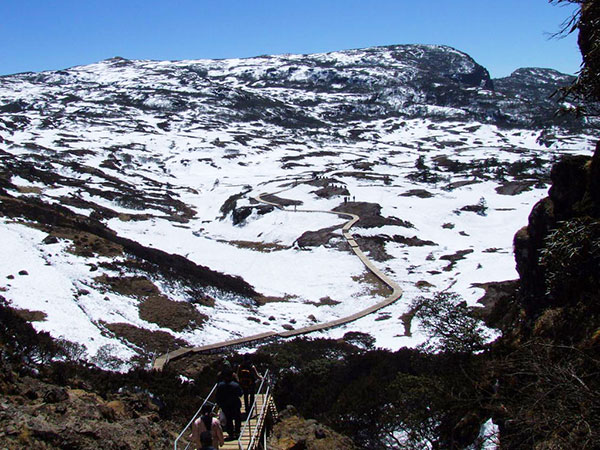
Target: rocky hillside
(52,399)
(292,91)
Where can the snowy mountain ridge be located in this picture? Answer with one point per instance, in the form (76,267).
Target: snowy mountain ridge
(127,190)
(397,81)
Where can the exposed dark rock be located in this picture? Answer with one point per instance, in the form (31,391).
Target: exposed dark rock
(55,395)
(413,241)
(497,302)
(295,433)
(421,193)
(31,316)
(514,187)
(454,258)
(532,83)
(239,215)
(330,191)
(595,181)
(323,181)
(281,201)
(383,317)
(230,204)
(370,215)
(50,240)
(459,184)
(480,208)
(527,243)
(317,238)
(40,415)
(374,246)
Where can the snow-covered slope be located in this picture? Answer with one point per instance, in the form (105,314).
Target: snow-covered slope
(128,215)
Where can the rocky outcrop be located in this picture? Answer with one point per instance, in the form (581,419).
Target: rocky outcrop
(317,238)
(41,415)
(575,193)
(296,433)
(239,215)
(370,215)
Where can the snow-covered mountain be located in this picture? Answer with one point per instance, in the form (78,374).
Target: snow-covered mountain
(128,219)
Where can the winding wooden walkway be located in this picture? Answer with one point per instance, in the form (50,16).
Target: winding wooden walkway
(162,360)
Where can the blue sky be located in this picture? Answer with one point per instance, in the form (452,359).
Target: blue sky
(502,35)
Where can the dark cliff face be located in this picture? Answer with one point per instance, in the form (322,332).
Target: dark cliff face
(442,63)
(557,254)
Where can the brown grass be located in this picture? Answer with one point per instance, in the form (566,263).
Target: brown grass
(151,341)
(167,313)
(155,307)
(138,287)
(263,299)
(31,316)
(86,244)
(135,217)
(263,247)
(376,287)
(423,285)
(29,190)
(406,319)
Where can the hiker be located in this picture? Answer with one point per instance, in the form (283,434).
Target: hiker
(225,371)
(247,376)
(206,422)
(206,441)
(228,398)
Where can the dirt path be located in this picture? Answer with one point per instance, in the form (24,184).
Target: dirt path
(160,362)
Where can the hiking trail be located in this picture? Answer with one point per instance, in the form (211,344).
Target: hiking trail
(162,360)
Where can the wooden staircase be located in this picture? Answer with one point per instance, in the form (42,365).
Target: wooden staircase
(252,426)
(254,429)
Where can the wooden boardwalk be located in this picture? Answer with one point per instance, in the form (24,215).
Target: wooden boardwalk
(162,360)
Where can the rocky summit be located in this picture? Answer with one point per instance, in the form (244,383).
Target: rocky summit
(129,191)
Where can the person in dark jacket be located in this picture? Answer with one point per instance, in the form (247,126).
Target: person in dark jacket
(228,398)
(247,376)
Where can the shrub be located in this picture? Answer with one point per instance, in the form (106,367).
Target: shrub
(20,340)
(423,173)
(448,322)
(359,339)
(571,259)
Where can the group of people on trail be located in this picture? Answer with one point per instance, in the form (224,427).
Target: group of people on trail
(207,430)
